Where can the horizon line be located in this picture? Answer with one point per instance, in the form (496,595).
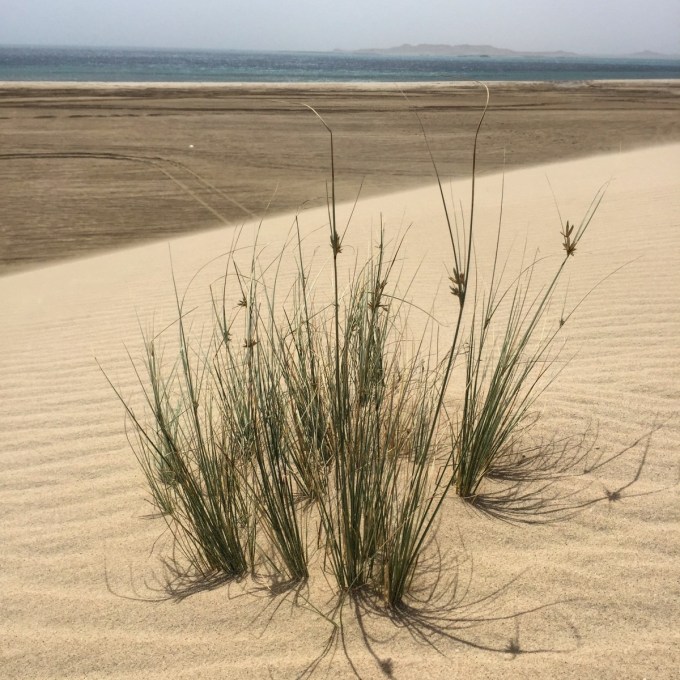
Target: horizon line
(380,51)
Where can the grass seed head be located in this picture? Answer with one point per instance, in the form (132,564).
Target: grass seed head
(458,285)
(567,243)
(336,244)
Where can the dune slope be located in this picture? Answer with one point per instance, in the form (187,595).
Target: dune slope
(81,579)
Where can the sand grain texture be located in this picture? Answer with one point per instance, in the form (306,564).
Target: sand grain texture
(81,583)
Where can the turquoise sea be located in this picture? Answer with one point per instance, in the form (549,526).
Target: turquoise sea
(153,65)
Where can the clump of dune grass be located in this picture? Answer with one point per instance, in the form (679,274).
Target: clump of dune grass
(301,429)
(508,364)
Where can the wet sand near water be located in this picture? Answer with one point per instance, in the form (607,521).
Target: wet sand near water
(87,167)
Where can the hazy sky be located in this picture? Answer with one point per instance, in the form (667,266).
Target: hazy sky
(590,26)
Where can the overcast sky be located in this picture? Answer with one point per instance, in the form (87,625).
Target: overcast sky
(587,26)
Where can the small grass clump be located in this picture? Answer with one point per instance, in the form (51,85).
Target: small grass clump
(301,430)
(504,376)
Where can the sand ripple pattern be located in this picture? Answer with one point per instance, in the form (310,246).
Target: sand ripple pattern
(80,586)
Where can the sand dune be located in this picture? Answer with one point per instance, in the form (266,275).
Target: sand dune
(81,578)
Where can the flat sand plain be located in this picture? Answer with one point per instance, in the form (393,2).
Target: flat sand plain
(83,590)
(84,168)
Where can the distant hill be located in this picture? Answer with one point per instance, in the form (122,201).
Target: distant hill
(490,51)
(460,51)
(649,54)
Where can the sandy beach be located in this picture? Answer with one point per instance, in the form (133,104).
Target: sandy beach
(84,592)
(89,167)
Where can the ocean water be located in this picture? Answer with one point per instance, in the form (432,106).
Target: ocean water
(140,65)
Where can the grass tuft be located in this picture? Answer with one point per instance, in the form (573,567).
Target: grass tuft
(324,429)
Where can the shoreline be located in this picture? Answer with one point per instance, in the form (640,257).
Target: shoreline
(323,84)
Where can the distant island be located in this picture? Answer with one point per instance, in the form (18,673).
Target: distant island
(487,51)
